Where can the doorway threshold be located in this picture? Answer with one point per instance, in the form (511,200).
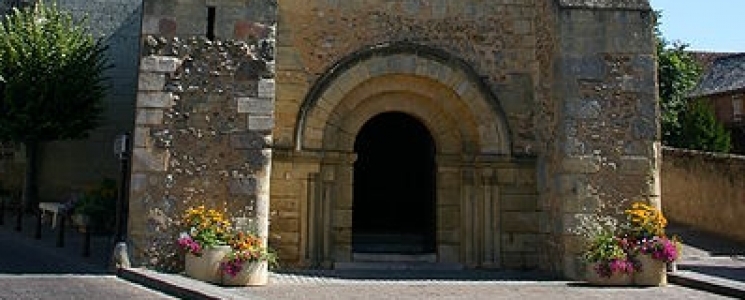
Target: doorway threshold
(396,262)
(394,257)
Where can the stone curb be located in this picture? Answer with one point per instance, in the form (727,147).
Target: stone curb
(707,283)
(186,288)
(175,285)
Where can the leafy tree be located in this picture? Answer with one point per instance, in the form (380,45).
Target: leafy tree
(702,130)
(677,74)
(53,84)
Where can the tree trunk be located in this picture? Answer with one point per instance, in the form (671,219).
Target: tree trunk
(31,187)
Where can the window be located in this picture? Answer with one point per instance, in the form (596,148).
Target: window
(737,111)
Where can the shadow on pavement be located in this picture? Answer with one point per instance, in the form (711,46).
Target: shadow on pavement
(727,272)
(22,254)
(711,243)
(710,254)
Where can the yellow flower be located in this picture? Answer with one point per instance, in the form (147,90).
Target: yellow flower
(646,219)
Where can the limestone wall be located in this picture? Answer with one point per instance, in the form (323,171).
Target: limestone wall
(607,149)
(705,191)
(204,119)
(497,38)
(574,80)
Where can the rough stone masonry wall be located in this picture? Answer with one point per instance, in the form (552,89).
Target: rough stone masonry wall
(608,137)
(705,191)
(204,120)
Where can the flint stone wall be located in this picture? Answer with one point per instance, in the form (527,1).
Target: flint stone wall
(204,121)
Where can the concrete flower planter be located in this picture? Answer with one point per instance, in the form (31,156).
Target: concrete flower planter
(616,279)
(207,266)
(652,273)
(81,221)
(252,274)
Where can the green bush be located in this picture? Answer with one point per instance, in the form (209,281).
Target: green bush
(702,131)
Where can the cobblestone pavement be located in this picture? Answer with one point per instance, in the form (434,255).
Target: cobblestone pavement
(495,291)
(422,285)
(462,285)
(36,269)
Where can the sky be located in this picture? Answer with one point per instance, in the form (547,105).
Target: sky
(705,25)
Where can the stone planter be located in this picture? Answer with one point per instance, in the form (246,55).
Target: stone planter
(81,221)
(252,274)
(616,279)
(207,266)
(653,272)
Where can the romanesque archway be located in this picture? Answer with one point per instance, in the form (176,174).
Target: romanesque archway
(468,140)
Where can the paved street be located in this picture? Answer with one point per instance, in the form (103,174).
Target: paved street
(33,269)
(72,287)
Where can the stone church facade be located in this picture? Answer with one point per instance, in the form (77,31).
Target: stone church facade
(462,134)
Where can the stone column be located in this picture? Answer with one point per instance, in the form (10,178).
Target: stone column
(260,112)
(263,177)
(470,217)
(449,217)
(491,212)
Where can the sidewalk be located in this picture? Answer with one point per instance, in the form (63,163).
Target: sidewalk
(470,284)
(709,262)
(708,265)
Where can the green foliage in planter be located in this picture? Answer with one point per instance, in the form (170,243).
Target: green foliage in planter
(604,247)
(99,203)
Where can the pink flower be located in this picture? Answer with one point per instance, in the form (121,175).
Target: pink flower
(187,243)
(614,266)
(660,248)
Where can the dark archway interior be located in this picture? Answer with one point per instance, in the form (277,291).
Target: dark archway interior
(394,187)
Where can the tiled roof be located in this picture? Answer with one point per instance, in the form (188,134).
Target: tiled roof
(724,75)
(706,59)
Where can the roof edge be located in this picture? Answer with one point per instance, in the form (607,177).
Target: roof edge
(607,4)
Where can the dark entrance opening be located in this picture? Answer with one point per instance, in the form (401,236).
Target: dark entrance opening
(394,187)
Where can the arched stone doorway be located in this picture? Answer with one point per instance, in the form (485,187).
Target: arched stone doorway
(394,202)
(468,147)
